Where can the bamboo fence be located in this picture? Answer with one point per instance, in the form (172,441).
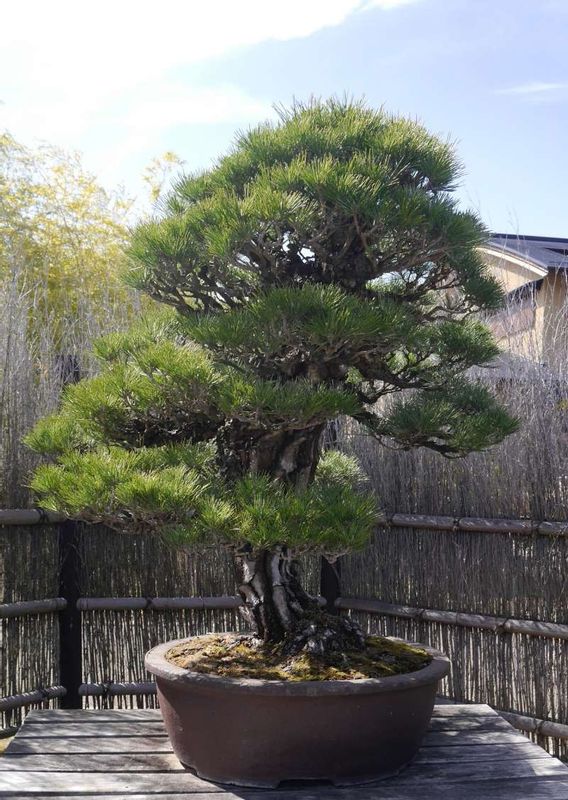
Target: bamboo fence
(489,592)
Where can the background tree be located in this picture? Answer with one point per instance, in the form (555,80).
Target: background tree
(62,240)
(321,266)
(160,172)
(62,235)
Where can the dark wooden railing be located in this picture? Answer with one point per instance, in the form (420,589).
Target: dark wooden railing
(71,606)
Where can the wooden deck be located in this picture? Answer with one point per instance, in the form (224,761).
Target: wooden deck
(470,753)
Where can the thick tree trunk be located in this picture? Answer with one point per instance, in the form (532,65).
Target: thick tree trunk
(283,614)
(288,455)
(272,594)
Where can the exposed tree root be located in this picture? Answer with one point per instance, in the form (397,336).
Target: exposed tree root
(284,615)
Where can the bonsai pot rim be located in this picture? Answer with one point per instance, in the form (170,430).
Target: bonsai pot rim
(155,662)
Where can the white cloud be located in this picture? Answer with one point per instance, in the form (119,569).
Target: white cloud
(109,70)
(142,115)
(534,88)
(100,49)
(140,124)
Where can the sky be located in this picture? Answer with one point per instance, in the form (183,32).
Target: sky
(123,82)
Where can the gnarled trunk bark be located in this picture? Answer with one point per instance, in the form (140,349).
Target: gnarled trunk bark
(273,597)
(283,614)
(290,456)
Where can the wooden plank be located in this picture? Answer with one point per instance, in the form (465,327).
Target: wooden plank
(52,715)
(461,710)
(449,727)
(121,783)
(420,770)
(434,745)
(449,772)
(94,744)
(160,762)
(104,716)
(433,748)
(151,787)
(470,754)
(448,738)
(90,762)
(73,729)
(522,723)
(58,715)
(488,720)
(479,752)
(485,723)
(491,790)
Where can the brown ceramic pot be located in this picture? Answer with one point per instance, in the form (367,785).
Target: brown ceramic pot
(259,732)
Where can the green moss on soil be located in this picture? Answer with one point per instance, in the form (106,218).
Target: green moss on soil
(241,657)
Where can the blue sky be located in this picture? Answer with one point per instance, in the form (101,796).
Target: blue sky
(125,81)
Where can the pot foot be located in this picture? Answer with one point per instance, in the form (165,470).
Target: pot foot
(250,784)
(364,781)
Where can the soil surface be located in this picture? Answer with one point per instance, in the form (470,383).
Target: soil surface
(241,656)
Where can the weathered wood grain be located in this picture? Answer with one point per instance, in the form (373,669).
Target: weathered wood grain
(156,785)
(479,752)
(490,790)
(91,744)
(112,770)
(481,723)
(448,738)
(139,761)
(450,772)
(72,729)
(91,762)
(72,719)
(470,753)
(461,710)
(60,715)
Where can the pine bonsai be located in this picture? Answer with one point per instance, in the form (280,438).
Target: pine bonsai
(320,266)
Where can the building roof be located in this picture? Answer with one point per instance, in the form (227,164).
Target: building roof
(546,251)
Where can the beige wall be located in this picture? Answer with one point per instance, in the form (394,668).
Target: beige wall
(537,327)
(511,271)
(555,327)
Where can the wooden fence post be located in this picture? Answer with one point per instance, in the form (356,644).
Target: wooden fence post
(70,647)
(330,583)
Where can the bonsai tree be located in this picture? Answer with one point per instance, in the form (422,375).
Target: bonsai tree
(323,264)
